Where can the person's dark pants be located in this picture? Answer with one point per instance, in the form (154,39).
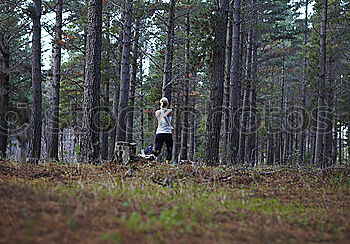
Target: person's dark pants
(159,141)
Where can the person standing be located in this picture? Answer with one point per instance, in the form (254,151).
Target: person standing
(164,129)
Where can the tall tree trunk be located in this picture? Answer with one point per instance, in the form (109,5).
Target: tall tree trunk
(193,122)
(270,150)
(4,96)
(217,85)
(226,102)
(185,125)
(334,139)
(135,54)
(177,131)
(116,94)
(104,146)
(283,137)
(106,83)
(168,64)
(35,148)
(244,137)
(319,154)
(55,86)
(142,122)
(305,78)
(125,73)
(235,84)
(340,144)
(253,128)
(90,148)
(328,137)
(313,134)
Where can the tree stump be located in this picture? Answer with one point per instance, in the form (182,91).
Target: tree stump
(124,152)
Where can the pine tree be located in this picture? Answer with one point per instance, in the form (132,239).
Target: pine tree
(36,124)
(90,148)
(55,86)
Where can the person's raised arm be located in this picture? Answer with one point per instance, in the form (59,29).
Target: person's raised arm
(167,112)
(166,120)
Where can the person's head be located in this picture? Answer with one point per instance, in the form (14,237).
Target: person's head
(164,102)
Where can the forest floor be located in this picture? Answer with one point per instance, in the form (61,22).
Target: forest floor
(150,202)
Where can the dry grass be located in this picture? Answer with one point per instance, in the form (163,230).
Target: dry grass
(149,202)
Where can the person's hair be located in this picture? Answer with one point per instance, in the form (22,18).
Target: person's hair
(164,102)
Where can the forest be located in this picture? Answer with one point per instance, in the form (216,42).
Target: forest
(251,99)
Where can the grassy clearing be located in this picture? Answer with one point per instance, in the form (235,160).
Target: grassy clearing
(149,202)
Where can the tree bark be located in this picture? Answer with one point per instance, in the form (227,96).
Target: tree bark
(226,102)
(168,64)
(116,95)
(4,97)
(302,144)
(283,136)
(193,123)
(235,84)
(55,86)
(340,144)
(135,55)
(330,98)
(185,125)
(253,146)
(106,105)
(217,85)
(320,141)
(244,137)
(177,133)
(36,122)
(106,85)
(125,73)
(142,122)
(90,148)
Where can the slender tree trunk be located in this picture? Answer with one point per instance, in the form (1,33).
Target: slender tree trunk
(193,124)
(185,125)
(55,86)
(168,64)
(35,148)
(244,120)
(235,84)
(340,141)
(253,128)
(177,131)
(142,103)
(90,148)
(106,83)
(116,95)
(4,97)
(305,78)
(313,135)
(217,86)
(319,154)
(328,137)
(135,53)
(104,146)
(226,98)
(334,140)
(270,150)
(283,136)
(125,73)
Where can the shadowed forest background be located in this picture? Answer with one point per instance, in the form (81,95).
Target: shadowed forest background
(250,82)
(260,93)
